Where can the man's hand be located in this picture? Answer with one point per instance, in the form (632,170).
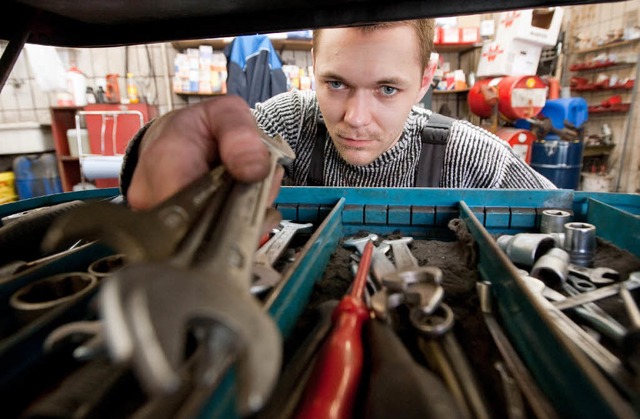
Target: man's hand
(181,146)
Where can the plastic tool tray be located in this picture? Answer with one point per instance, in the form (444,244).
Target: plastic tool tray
(574,385)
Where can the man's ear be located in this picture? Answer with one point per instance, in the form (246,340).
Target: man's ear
(427,76)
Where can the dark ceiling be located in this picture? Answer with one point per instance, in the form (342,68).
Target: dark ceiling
(90,23)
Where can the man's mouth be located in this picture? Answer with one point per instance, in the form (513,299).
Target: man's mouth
(355,142)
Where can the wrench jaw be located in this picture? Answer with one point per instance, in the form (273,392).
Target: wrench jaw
(158,335)
(113,225)
(266,277)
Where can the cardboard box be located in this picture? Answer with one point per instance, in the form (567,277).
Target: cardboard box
(437,35)
(514,58)
(450,36)
(537,26)
(470,35)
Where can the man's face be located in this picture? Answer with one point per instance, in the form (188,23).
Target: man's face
(366,84)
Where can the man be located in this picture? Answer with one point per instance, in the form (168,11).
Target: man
(367,80)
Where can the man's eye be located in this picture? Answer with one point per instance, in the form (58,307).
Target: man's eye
(335,84)
(388,90)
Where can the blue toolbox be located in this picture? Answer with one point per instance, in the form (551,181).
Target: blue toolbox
(575,383)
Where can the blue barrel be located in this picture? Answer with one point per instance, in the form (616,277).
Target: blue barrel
(36,175)
(558,160)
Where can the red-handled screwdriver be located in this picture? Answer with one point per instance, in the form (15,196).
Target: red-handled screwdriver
(336,374)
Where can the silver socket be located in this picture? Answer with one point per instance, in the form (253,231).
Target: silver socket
(552,267)
(580,243)
(553,220)
(525,248)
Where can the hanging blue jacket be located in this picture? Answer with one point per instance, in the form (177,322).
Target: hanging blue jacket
(254,69)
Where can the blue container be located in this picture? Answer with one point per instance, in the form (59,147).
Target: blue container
(36,175)
(558,160)
(573,110)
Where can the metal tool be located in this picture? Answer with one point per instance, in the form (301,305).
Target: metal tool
(36,298)
(580,243)
(420,286)
(402,255)
(142,236)
(512,394)
(213,292)
(631,341)
(552,267)
(337,371)
(525,248)
(380,263)
(599,276)
(601,293)
(595,316)
(553,220)
(265,275)
(535,397)
(608,362)
(107,266)
(149,308)
(443,351)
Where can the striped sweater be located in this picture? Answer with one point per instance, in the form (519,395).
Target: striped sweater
(474,158)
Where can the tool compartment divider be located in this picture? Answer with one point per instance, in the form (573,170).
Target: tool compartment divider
(616,225)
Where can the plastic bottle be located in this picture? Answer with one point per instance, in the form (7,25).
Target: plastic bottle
(100,95)
(132,89)
(77,86)
(91,96)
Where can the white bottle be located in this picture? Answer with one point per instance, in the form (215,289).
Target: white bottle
(77,86)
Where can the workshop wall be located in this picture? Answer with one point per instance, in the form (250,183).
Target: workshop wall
(587,26)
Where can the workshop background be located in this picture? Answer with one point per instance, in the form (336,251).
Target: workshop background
(107,93)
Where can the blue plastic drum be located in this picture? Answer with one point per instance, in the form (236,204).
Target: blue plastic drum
(558,160)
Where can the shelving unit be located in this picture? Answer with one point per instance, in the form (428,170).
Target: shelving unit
(221,43)
(608,89)
(63,119)
(463,56)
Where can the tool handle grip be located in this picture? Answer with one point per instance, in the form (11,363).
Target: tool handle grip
(336,374)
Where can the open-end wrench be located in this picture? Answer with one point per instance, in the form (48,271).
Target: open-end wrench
(146,235)
(601,293)
(159,302)
(148,308)
(608,362)
(539,403)
(402,255)
(597,276)
(265,275)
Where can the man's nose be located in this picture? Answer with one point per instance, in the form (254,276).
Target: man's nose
(358,109)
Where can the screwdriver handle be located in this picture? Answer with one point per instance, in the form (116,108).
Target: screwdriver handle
(336,374)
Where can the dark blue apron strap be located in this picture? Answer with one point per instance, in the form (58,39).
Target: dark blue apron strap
(434,142)
(316,164)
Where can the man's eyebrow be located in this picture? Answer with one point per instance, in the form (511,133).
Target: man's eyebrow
(391,81)
(330,75)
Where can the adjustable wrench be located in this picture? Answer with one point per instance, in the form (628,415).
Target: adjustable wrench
(266,276)
(402,255)
(380,263)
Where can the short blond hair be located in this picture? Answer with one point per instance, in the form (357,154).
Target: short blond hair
(423,28)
